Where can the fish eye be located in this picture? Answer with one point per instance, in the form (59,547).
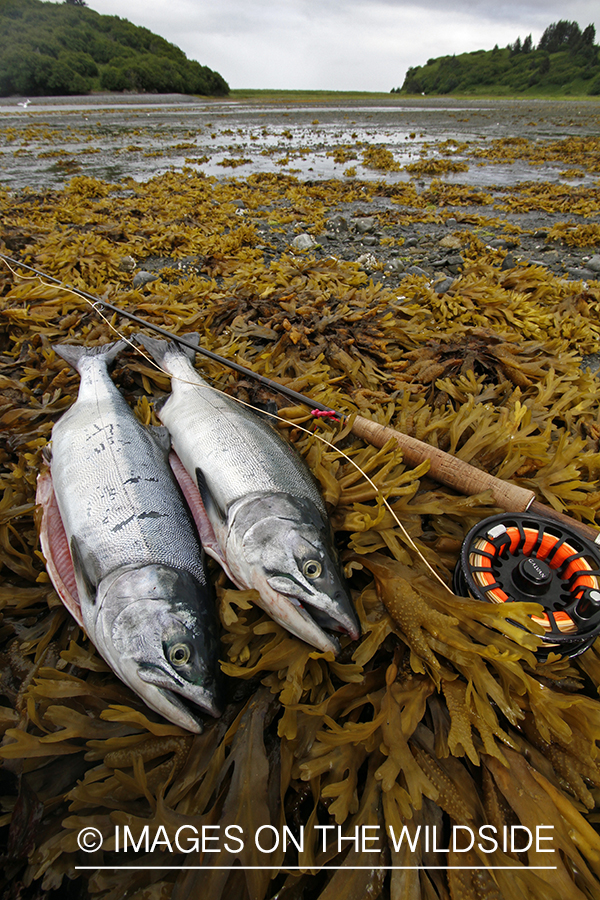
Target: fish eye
(312,568)
(179,654)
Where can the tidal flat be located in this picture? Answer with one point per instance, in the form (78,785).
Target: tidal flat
(141,136)
(429,264)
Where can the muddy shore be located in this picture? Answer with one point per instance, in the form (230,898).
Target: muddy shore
(47,142)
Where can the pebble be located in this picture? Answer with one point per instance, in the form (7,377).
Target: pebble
(370,240)
(444,285)
(593,263)
(451,242)
(337,223)
(142,277)
(451,222)
(411,242)
(578,274)
(394,266)
(509,262)
(416,270)
(454,263)
(304,242)
(365,224)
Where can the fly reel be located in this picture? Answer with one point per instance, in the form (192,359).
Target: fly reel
(514,557)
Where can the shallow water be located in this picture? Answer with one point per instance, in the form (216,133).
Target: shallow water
(139,136)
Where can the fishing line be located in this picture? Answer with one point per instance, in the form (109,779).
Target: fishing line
(319,411)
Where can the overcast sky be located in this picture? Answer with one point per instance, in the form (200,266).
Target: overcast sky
(339,44)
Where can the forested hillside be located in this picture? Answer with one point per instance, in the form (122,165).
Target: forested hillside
(565,62)
(66,48)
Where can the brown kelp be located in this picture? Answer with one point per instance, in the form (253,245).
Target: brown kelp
(440,716)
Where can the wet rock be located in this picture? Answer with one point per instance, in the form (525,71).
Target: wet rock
(444,285)
(451,242)
(455,263)
(551,257)
(141,278)
(451,222)
(509,262)
(337,224)
(304,242)
(411,242)
(416,270)
(370,240)
(498,244)
(394,266)
(593,263)
(578,274)
(365,225)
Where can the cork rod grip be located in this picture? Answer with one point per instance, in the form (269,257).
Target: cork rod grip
(463,477)
(445,468)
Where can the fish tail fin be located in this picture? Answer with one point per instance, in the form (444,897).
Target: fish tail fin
(159,349)
(74,354)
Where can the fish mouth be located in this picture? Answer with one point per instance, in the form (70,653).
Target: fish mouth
(183,711)
(322,615)
(343,624)
(296,618)
(182,704)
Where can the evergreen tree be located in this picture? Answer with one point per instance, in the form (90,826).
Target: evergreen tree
(560,35)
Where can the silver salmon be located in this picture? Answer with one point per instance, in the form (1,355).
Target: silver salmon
(270,526)
(137,562)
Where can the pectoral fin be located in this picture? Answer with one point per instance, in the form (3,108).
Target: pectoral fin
(55,548)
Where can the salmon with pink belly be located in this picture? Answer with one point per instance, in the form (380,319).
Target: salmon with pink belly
(268,526)
(122,550)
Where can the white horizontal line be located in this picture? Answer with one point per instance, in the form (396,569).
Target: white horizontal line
(306,869)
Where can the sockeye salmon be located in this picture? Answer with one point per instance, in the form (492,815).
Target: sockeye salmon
(137,564)
(269,526)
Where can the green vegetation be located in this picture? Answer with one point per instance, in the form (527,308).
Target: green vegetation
(565,62)
(274,95)
(66,48)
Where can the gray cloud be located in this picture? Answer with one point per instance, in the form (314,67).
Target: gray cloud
(338,44)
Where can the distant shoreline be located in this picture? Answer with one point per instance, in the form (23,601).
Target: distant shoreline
(267,95)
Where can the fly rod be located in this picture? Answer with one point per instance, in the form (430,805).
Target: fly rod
(444,468)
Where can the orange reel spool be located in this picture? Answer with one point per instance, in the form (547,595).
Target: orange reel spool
(512,557)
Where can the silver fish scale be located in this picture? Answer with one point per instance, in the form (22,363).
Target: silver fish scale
(219,429)
(113,485)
